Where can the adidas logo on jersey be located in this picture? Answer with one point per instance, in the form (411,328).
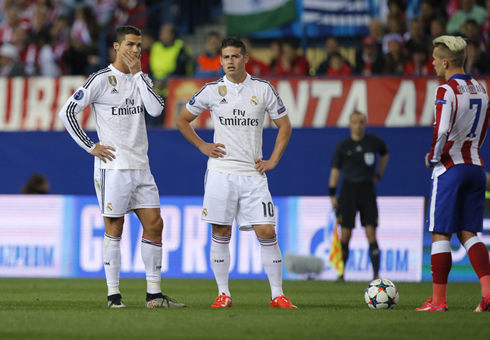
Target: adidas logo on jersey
(114,91)
(223,101)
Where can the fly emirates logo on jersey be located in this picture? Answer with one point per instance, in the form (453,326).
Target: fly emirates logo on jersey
(130,109)
(238,119)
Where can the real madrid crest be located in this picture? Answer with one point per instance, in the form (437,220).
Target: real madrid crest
(222,91)
(205,212)
(112,80)
(254,101)
(109,207)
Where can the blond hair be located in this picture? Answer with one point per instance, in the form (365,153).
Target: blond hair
(451,48)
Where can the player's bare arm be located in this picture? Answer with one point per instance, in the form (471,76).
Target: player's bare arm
(332,183)
(103,152)
(383,161)
(183,123)
(282,140)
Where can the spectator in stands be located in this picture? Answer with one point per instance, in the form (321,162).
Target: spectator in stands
(416,35)
(26,11)
(36,185)
(168,57)
(276,55)
(331,47)
(85,28)
(209,63)
(469,10)
(291,62)
(146,43)
(476,62)
(437,28)
(486,25)
(40,19)
(396,17)
(394,61)
(369,60)
(472,32)
(337,66)
(10,24)
(377,30)
(104,11)
(420,62)
(10,66)
(427,14)
(254,66)
(47,59)
(130,12)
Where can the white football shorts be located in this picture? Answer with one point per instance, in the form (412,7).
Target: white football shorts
(121,191)
(246,198)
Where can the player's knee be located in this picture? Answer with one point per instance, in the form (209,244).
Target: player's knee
(221,230)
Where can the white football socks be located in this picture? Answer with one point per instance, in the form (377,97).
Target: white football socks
(272,262)
(112,262)
(151,252)
(220,262)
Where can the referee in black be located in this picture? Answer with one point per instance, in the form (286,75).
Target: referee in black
(356,155)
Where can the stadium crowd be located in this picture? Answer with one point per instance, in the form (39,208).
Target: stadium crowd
(67,37)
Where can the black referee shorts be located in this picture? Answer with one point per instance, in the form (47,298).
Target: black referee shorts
(356,197)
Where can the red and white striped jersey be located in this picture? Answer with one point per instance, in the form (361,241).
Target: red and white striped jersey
(461,117)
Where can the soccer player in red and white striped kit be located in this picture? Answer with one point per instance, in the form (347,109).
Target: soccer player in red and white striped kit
(458,179)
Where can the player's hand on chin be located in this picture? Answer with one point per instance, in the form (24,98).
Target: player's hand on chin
(133,63)
(213,150)
(263,166)
(103,152)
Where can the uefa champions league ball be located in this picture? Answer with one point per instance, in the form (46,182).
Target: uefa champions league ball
(381,294)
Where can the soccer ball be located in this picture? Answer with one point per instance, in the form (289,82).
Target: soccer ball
(381,294)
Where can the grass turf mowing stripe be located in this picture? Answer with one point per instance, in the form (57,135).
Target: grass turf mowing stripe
(77,309)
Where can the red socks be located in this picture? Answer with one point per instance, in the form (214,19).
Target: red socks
(441,264)
(480,261)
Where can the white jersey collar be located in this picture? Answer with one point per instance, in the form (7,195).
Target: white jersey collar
(238,86)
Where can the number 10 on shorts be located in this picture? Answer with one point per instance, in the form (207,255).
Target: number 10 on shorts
(268,209)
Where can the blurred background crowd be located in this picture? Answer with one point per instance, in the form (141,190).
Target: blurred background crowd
(182,38)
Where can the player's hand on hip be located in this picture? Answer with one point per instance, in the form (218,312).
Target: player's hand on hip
(335,202)
(263,166)
(103,152)
(214,150)
(132,62)
(427,163)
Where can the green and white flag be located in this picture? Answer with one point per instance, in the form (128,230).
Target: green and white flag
(250,16)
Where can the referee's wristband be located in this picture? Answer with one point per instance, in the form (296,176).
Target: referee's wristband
(332,191)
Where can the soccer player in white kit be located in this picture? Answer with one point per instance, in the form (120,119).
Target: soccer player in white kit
(457,200)
(118,96)
(236,185)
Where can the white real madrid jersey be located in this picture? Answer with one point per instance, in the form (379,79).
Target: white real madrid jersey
(238,112)
(117,101)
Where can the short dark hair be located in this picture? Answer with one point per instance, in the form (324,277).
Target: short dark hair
(123,30)
(233,42)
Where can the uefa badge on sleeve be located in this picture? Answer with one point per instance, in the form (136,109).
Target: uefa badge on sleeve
(78,95)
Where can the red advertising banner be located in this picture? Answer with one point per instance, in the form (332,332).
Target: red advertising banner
(28,104)
(322,102)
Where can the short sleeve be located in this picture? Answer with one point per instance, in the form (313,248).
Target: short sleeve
(199,101)
(337,159)
(274,105)
(381,146)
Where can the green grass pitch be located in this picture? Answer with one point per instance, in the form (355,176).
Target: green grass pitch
(77,309)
